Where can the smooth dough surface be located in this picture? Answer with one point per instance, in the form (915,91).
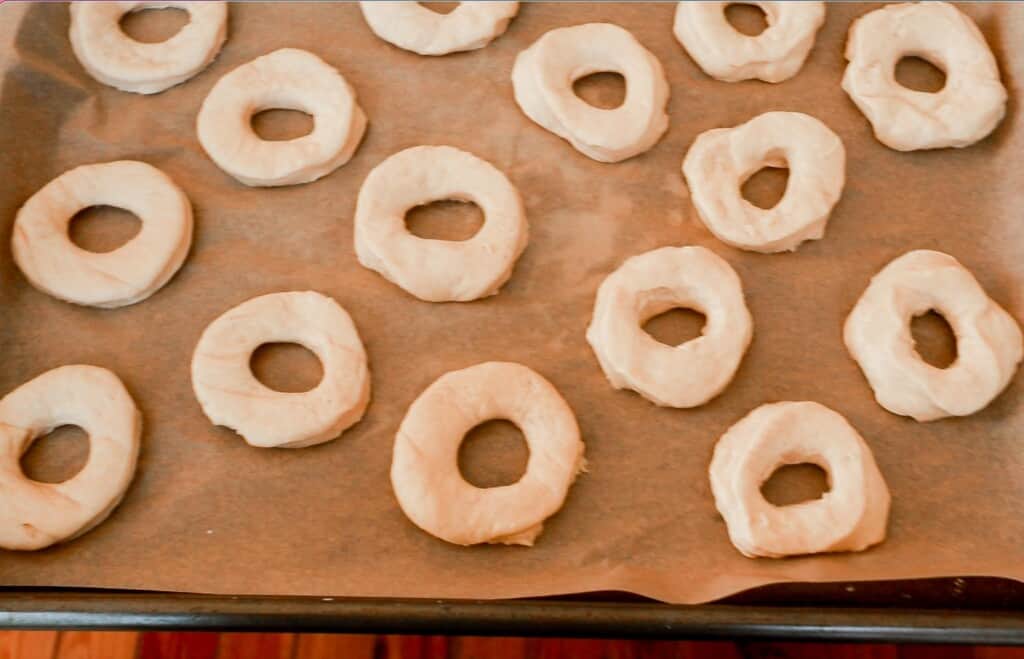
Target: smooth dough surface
(850,516)
(412,26)
(126,275)
(231,396)
(425,471)
(35,515)
(649,284)
(112,57)
(878,336)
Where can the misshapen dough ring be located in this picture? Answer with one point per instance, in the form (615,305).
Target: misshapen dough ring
(439,270)
(425,471)
(412,26)
(544,73)
(644,286)
(724,53)
(965,110)
(288,79)
(231,396)
(35,515)
(851,516)
(877,334)
(722,159)
(126,275)
(112,57)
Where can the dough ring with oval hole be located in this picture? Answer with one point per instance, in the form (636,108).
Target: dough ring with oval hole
(411,26)
(644,286)
(425,471)
(287,79)
(35,515)
(850,516)
(724,53)
(722,159)
(439,270)
(877,334)
(543,77)
(231,396)
(112,57)
(126,275)
(964,111)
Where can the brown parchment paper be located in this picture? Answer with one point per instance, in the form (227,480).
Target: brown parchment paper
(207,513)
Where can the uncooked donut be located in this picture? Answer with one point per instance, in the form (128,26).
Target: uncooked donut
(289,79)
(644,286)
(412,26)
(115,59)
(724,53)
(425,471)
(968,108)
(126,275)
(851,516)
(35,515)
(439,270)
(231,396)
(877,334)
(721,159)
(544,73)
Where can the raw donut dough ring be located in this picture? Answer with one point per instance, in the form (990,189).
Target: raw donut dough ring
(231,396)
(425,472)
(411,26)
(112,57)
(722,159)
(964,111)
(288,79)
(877,334)
(544,73)
(724,53)
(126,275)
(851,516)
(35,515)
(644,286)
(439,270)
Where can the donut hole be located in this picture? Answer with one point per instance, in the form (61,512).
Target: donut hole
(286,367)
(746,18)
(605,90)
(766,187)
(153,25)
(676,326)
(919,74)
(102,229)
(493,453)
(281,125)
(795,483)
(441,7)
(934,339)
(449,219)
(56,456)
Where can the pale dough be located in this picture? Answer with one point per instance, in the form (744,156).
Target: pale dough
(412,26)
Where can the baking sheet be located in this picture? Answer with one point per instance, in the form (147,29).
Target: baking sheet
(209,514)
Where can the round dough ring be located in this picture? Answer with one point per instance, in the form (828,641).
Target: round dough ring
(877,334)
(964,111)
(425,472)
(112,57)
(439,270)
(644,286)
(35,515)
(411,26)
(231,396)
(543,77)
(288,79)
(724,53)
(722,159)
(126,275)
(851,516)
